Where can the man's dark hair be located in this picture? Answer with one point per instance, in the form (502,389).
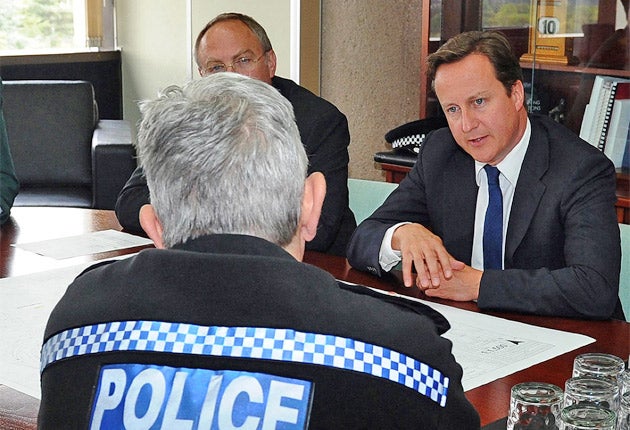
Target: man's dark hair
(492,44)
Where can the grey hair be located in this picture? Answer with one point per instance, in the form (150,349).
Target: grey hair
(222,154)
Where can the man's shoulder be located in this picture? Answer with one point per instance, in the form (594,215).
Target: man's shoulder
(355,302)
(290,88)
(195,265)
(555,132)
(302,99)
(440,139)
(561,141)
(439,148)
(385,302)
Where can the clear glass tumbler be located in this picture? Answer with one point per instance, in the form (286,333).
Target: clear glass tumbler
(535,405)
(623,416)
(625,382)
(586,390)
(600,365)
(586,417)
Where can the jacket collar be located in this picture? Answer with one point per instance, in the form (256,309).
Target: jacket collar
(234,244)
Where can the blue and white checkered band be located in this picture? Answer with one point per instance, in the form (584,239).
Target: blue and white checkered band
(249,342)
(414,140)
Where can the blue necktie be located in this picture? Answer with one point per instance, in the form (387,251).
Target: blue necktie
(493,223)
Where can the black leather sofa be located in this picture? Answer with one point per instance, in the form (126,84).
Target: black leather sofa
(63,154)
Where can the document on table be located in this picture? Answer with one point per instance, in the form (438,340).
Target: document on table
(489,348)
(26,303)
(85,244)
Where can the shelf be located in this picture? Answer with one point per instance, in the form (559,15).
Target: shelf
(576,69)
(601,42)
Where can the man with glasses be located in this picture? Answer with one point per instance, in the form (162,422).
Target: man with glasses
(237,43)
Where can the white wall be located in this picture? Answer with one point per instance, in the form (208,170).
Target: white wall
(157,36)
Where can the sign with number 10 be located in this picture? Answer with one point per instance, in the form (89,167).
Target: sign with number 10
(547,42)
(548,25)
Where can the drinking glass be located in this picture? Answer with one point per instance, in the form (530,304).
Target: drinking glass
(623,416)
(586,390)
(586,417)
(625,382)
(535,405)
(599,365)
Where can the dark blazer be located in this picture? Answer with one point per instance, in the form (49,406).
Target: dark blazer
(324,132)
(562,253)
(243,281)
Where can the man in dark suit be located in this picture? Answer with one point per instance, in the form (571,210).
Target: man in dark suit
(557,248)
(223,326)
(237,43)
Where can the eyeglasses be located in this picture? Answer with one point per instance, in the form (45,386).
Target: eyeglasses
(244,64)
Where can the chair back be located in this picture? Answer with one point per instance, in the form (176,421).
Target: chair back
(366,196)
(624,275)
(50,126)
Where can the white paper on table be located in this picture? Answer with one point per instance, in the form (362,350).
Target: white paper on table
(26,304)
(489,347)
(85,244)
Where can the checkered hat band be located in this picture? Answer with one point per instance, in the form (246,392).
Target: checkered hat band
(414,139)
(249,342)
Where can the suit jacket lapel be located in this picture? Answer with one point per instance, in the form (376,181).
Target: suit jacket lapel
(529,189)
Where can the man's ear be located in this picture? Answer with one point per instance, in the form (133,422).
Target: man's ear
(518,95)
(151,225)
(271,63)
(314,194)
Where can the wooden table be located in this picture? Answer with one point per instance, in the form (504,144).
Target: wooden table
(32,224)
(19,411)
